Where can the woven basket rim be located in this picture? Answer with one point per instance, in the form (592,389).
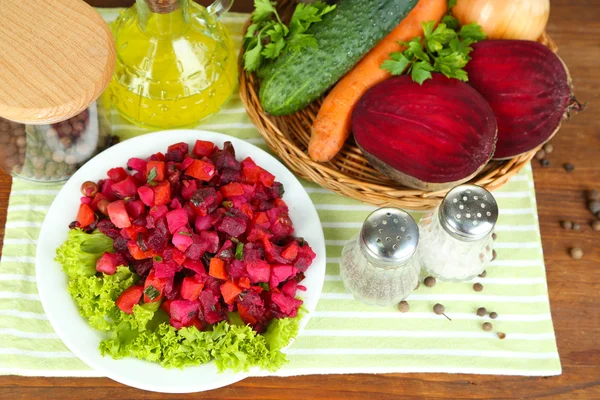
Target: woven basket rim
(348,173)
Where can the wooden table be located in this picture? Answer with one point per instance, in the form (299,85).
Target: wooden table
(574,285)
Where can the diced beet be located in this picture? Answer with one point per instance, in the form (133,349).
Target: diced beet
(187,161)
(86,200)
(182,239)
(237,269)
(211,238)
(117,174)
(183,310)
(258,271)
(132,232)
(226,251)
(157,240)
(282,227)
(135,208)
(106,189)
(125,188)
(157,212)
(302,263)
(181,147)
(211,308)
(175,204)
(275,191)
(226,158)
(176,219)
(291,251)
(146,195)
(203,148)
(137,252)
(287,305)
(189,188)
(137,164)
(232,189)
(175,156)
(120,244)
(289,288)
(174,179)
(233,226)
(109,262)
(258,233)
(197,267)
(202,223)
(165,269)
(142,267)
(118,214)
(139,178)
(197,248)
(228,175)
(252,254)
(279,273)
(252,308)
(204,197)
(157,157)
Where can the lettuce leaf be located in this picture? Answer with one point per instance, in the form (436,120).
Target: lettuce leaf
(95,296)
(79,253)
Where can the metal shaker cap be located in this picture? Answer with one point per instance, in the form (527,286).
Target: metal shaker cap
(389,236)
(468,213)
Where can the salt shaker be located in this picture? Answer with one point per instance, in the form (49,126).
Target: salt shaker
(378,265)
(456,238)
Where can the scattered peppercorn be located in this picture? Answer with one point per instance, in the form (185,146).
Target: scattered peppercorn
(403,306)
(576,253)
(439,309)
(596,225)
(569,167)
(540,155)
(483,274)
(545,163)
(494,255)
(429,281)
(478,287)
(493,315)
(576,226)
(568,225)
(494,236)
(501,335)
(593,195)
(548,148)
(487,326)
(594,206)
(481,311)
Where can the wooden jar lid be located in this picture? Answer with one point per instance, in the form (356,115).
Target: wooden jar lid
(56,57)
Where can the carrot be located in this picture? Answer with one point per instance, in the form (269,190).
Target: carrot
(331,128)
(216,268)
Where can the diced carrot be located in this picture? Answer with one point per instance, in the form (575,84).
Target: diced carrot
(133,230)
(247,209)
(331,128)
(191,288)
(279,203)
(232,189)
(266,178)
(159,168)
(203,148)
(245,316)
(138,253)
(129,298)
(244,282)
(230,291)
(217,268)
(291,252)
(201,170)
(162,193)
(85,215)
(157,283)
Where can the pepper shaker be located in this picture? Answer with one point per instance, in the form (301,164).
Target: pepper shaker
(456,238)
(378,265)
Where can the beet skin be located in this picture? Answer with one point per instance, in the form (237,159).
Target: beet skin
(431,136)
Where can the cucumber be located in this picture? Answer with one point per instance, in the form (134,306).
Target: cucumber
(345,35)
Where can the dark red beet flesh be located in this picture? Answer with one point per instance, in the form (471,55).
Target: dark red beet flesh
(429,136)
(527,86)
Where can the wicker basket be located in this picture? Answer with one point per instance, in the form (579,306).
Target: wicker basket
(349,173)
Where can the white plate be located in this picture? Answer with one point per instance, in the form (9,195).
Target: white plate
(75,331)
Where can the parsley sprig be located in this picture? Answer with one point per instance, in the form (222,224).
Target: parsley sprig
(444,49)
(267,37)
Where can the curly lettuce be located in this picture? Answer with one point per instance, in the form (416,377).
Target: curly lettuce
(79,253)
(146,333)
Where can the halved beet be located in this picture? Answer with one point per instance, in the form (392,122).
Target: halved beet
(431,136)
(527,86)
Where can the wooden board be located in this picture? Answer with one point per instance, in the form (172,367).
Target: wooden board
(574,285)
(56,57)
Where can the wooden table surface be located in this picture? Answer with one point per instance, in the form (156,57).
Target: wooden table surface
(574,285)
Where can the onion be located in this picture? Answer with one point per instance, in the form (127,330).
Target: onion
(505,19)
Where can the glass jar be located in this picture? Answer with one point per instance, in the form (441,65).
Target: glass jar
(176,63)
(377,266)
(456,240)
(53,152)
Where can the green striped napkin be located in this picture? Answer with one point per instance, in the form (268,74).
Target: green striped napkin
(343,335)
